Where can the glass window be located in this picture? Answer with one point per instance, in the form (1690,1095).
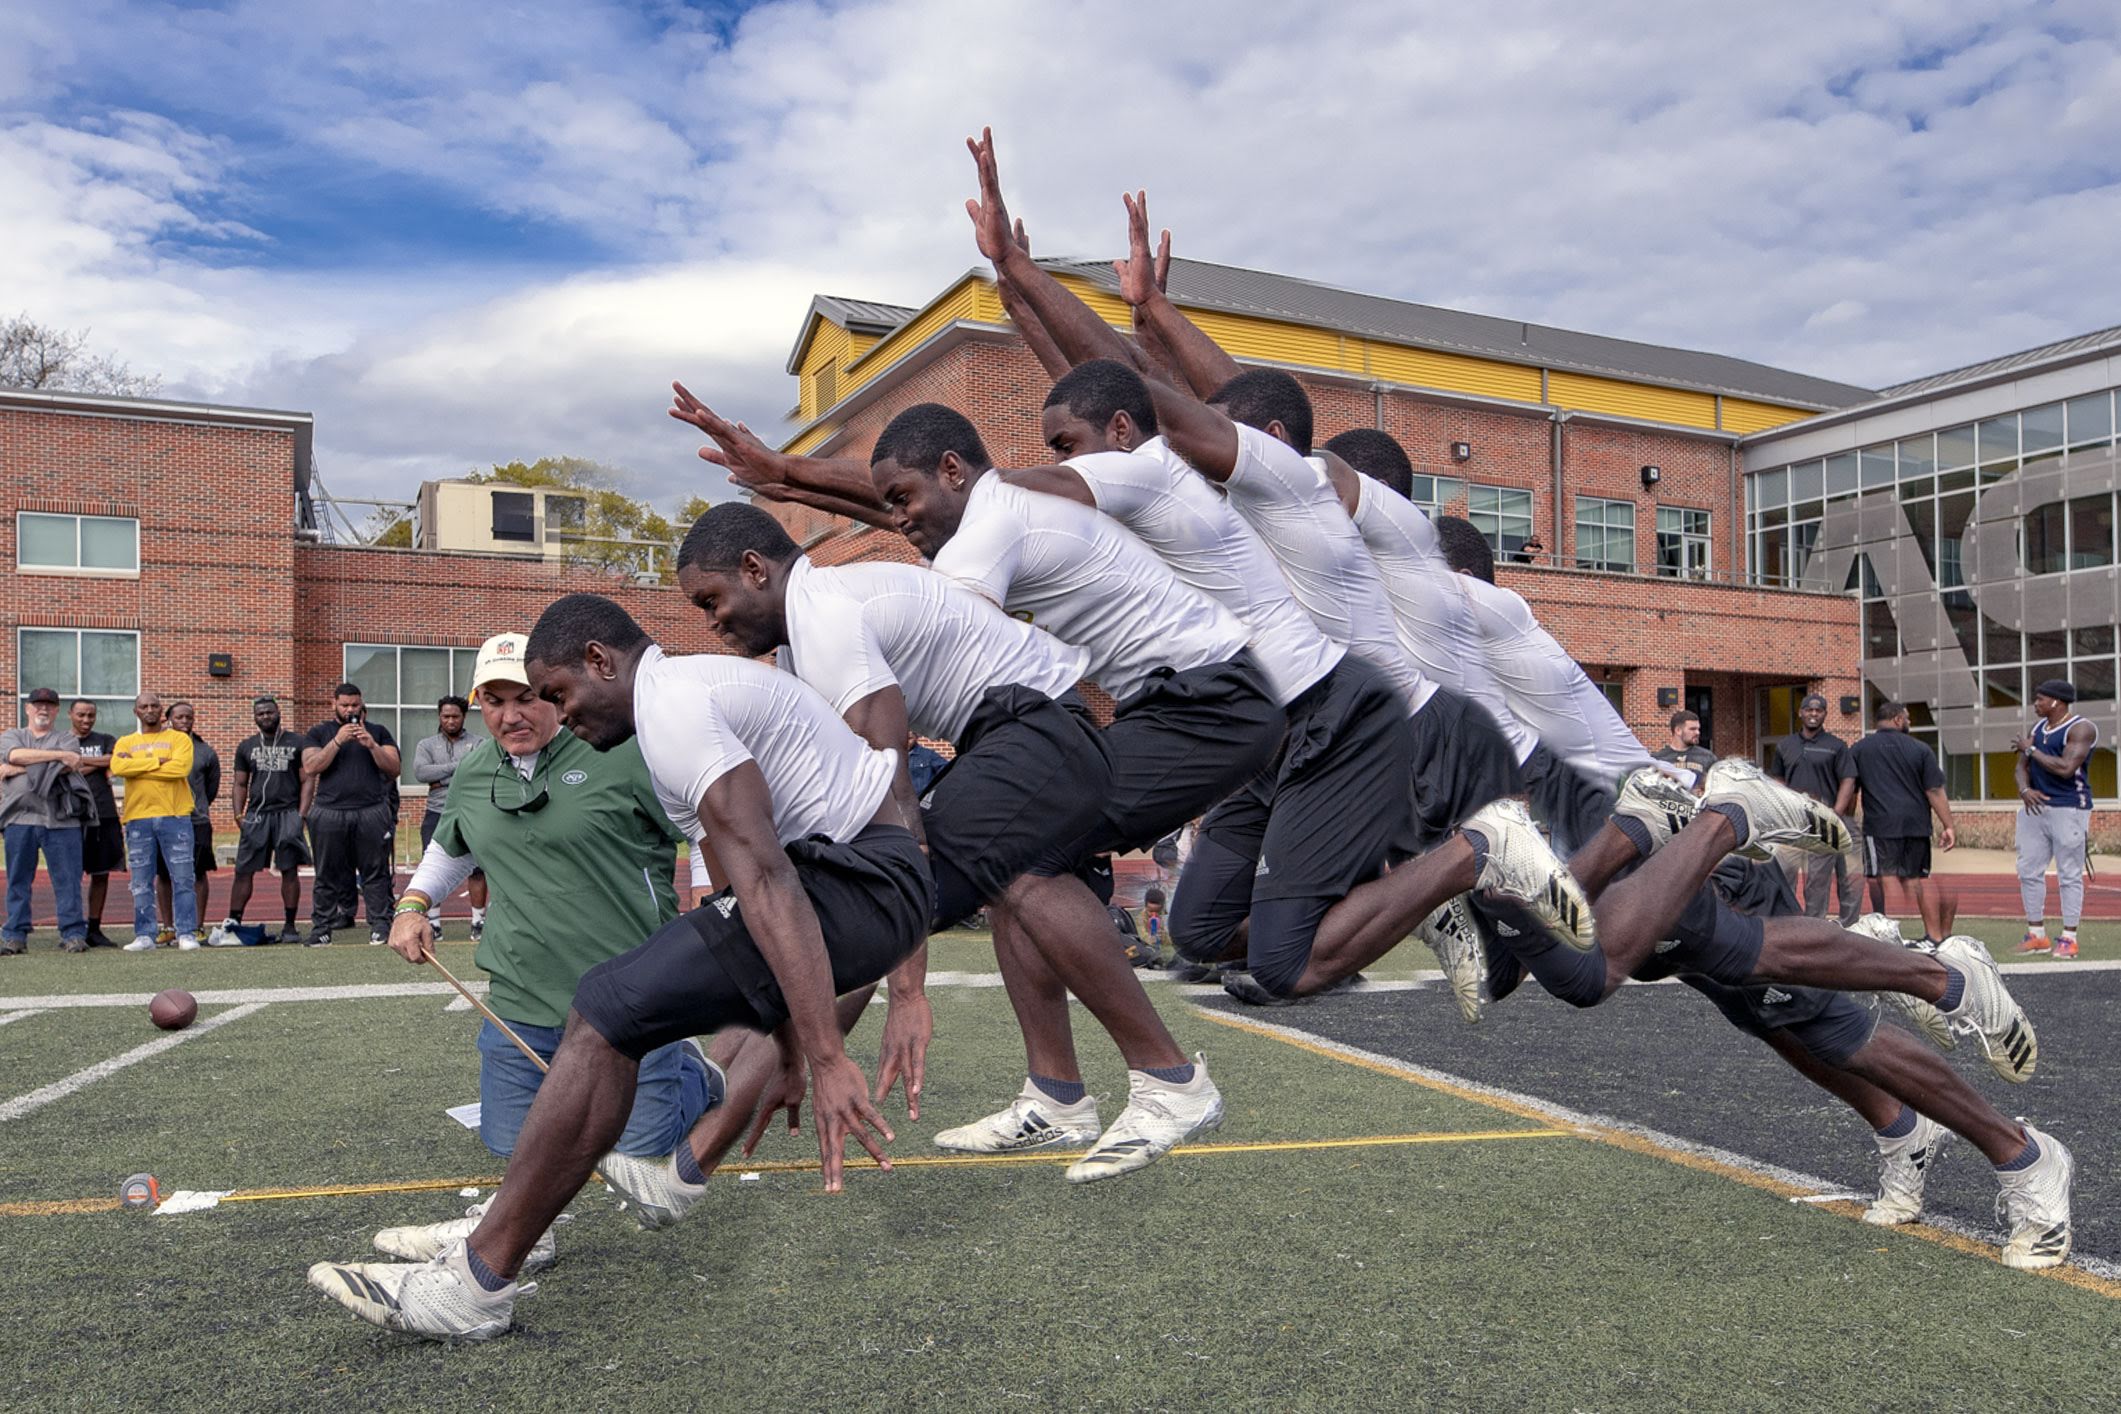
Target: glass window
(515,516)
(1841,474)
(1802,539)
(102,665)
(2041,428)
(1436,494)
(1771,556)
(2045,539)
(2090,419)
(1918,456)
(1605,534)
(1881,635)
(1682,542)
(2094,678)
(2091,531)
(1953,513)
(2093,642)
(1771,488)
(1877,467)
(1955,448)
(1807,481)
(91,544)
(2006,686)
(1999,644)
(1501,513)
(2041,647)
(564,515)
(401,684)
(1997,440)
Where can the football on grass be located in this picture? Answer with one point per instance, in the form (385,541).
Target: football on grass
(174,1009)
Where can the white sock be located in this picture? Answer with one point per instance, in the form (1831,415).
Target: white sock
(478,915)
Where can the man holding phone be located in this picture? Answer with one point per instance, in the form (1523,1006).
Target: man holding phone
(351,822)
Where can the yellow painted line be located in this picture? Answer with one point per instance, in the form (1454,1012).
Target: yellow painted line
(1637,1144)
(355,1190)
(61,1207)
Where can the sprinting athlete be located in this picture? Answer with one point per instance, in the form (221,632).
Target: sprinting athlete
(828,890)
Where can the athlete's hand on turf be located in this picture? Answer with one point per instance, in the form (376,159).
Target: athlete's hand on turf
(1140,274)
(909,1024)
(784,1093)
(991,226)
(841,1107)
(411,938)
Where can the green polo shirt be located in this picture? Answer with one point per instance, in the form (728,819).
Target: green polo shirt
(588,876)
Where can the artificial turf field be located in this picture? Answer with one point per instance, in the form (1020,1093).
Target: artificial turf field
(1433,1262)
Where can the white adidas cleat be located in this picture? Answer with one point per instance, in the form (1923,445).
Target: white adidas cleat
(1920,1014)
(144,943)
(1907,1166)
(654,1193)
(1657,802)
(1774,814)
(1523,868)
(428,1241)
(1158,1118)
(1455,939)
(439,1299)
(1033,1120)
(1989,1012)
(2035,1202)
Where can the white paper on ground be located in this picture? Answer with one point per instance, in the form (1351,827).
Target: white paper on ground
(186,1201)
(466,1115)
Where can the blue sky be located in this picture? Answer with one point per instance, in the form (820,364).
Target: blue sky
(463,234)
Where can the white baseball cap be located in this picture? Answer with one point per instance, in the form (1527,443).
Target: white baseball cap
(500,660)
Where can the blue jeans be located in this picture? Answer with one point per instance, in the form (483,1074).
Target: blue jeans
(673,1091)
(170,836)
(62,857)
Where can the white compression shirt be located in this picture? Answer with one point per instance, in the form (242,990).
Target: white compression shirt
(1435,623)
(1288,502)
(1084,579)
(701,716)
(1546,689)
(1189,524)
(857,629)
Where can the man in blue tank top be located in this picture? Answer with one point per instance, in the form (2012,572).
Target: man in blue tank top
(2056,791)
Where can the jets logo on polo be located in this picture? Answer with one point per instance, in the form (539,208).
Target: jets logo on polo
(574,778)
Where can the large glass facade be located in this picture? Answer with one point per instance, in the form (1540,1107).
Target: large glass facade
(1983,556)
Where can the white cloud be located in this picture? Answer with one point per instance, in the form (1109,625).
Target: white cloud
(1867,196)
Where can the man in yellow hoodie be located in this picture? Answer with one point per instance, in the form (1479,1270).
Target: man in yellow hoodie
(155,765)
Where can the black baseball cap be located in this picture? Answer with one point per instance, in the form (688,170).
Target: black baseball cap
(44,694)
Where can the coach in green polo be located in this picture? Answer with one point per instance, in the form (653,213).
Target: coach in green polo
(580,859)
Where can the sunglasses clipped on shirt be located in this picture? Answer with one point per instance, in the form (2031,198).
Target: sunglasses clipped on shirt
(533,800)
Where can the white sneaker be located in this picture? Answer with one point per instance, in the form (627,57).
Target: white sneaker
(1452,935)
(188,942)
(654,1193)
(1920,1014)
(1907,1165)
(1033,1120)
(1522,867)
(1774,814)
(439,1299)
(144,943)
(431,1240)
(2035,1202)
(1657,802)
(1989,1012)
(1159,1117)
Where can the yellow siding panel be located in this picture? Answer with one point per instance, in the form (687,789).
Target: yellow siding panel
(960,302)
(1279,343)
(1739,415)
(1425,368)
(1109,307)
(1581,390)
(811,439)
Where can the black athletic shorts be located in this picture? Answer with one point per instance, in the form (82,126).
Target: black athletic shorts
(1178,746)
(701,972)
(1896,856)
(1462,761)
(1831,1026)
(202,852)
(1571,804)
(1030,771)
(103,847)
(1330,812)
(273,840)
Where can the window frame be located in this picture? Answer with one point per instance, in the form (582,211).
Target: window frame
(77,569)
(1705,538)
(1497,515)
(1605,504)
(68,695)
(397,707)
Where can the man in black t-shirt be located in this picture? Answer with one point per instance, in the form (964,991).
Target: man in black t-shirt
(352,818)
(103,842)
(1817,762)
(1901,783)
(271,798)
(1685,750)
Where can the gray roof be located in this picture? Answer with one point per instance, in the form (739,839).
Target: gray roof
(861,316)
(2024,358)
(1201,285)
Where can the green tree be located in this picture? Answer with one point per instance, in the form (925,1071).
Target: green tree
(620,533)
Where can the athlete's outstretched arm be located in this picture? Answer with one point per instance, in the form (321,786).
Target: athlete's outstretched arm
(840,485)
(1199,359)
(1025,318)
(1152,347)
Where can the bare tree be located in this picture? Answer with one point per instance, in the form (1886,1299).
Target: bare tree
(34,355)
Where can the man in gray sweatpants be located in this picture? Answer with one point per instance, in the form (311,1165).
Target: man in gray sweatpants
(2055,790)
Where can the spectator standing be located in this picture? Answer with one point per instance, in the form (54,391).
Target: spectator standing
(923,765)
(42,807)
(1815,761)
(155,764)
(271,798)
(1685,750)
(103,842)
(2055,791)
(351,822)
(1901,786)
(434,764)
(205,783)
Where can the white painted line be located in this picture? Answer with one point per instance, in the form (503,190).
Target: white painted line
(241,996)
(1563,1115)
(60,1089)
(7,1016)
